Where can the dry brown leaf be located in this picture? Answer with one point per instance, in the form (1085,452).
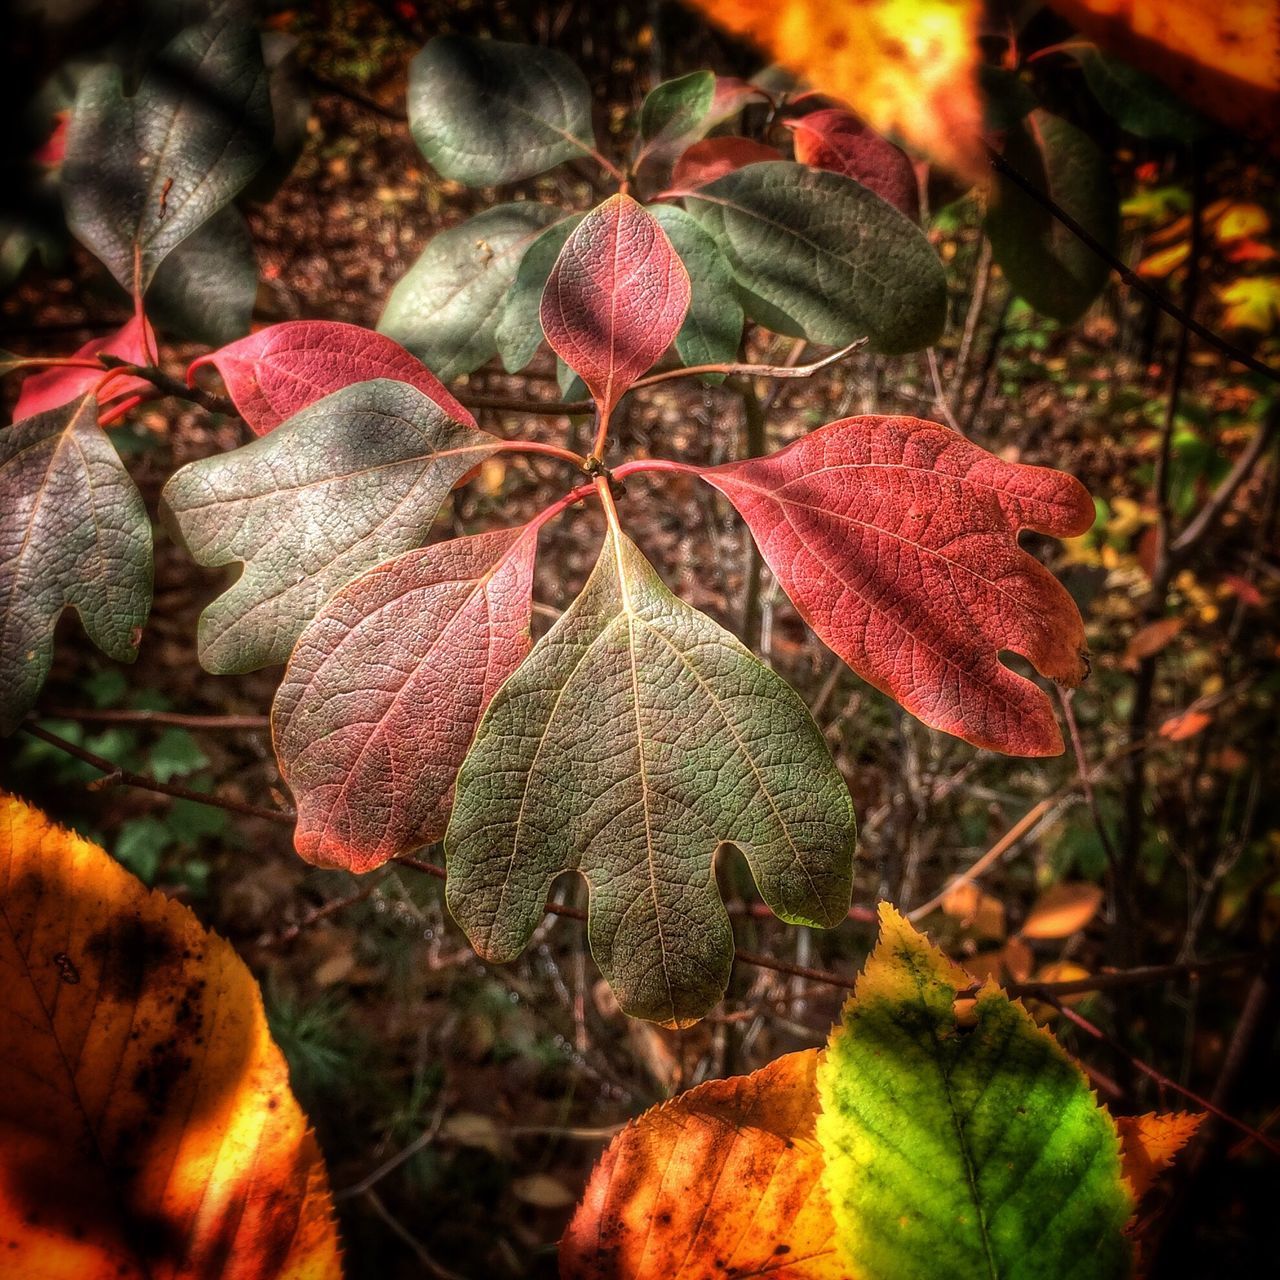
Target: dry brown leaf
(1223,58)
(697,1179)
(1149,1144)
(146,1122)
(978,912)
(905,66)
(1147,641)
(1062,910)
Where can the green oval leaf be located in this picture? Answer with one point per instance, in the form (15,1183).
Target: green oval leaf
(486,111)
(519,332)
(713,328)
(821,257)
(73,533)
(1044,262)
(962,1152)
(143,172)
(347,483)
(1137,102)
(636,738)
(447,307)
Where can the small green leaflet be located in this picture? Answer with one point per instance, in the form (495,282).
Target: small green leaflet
(713,328)
(636,738)
(819,256)
(677,107)
(143,172)
(519,333)
(1046,264)
(1139,102)
(73,533)
(447,308)
(485,111)
(969,1153)
(349,482)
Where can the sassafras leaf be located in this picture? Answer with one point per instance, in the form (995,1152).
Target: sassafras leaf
(636,738)
(897,541)
(347,483)
(385,688)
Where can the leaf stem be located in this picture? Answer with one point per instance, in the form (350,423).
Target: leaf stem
(639,465)
(550,450)
(754,370)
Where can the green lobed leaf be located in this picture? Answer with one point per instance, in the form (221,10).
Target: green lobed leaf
(73,533)
(143,172)
(819,256)
(519,332)
(1044,262)
(205,289)
(636,738)
(1139,103)
(712,329)
(349,482)
(969,1152)
(447,307)
(487,111)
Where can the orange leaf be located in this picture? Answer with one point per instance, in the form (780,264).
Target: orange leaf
(905,66)
(1147,641)
(729,1171)
(145,1115)
(1164,262)
(1149,1143)
(1223,58)
(978,912)
(1186,724)
(1062,910)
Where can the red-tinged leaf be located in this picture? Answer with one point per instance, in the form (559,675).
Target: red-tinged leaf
(731,95)
(279,371)
(839,141)
(1150,1143)
(616,298)
(712,158)
(52,388)
(54,147)
(897,541)
(383,693)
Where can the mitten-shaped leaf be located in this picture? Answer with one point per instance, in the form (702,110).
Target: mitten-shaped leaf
(350,482)
(145,1114)
(896,539)
(485,111)
(383,693)
(616,298)
(712,329)
(822,257)
(839,141)
(962,1153)
(54,387)
(726,1176)
(712,158)
(143,172)
(1049,266)
(447,306)
(73,532)
(519,332)
(636,738)
(280,370)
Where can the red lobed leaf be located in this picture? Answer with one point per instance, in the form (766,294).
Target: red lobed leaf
(616,298)
(52,388)
(384,691)
(896,539)
(712,158)
(280,370)
(837,140)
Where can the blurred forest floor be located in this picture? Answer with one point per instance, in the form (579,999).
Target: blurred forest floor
(461,1105)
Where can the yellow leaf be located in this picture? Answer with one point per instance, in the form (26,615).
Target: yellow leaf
(1156,266)
(1062,910)
(1240,221)
(1251,303)
(1148,1144)
(1223,58)
(729,1171)
(905,66)
(146,1122)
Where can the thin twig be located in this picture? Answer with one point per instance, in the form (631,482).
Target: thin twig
(754,370)
(116,776)
(86,715)
(171,386)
